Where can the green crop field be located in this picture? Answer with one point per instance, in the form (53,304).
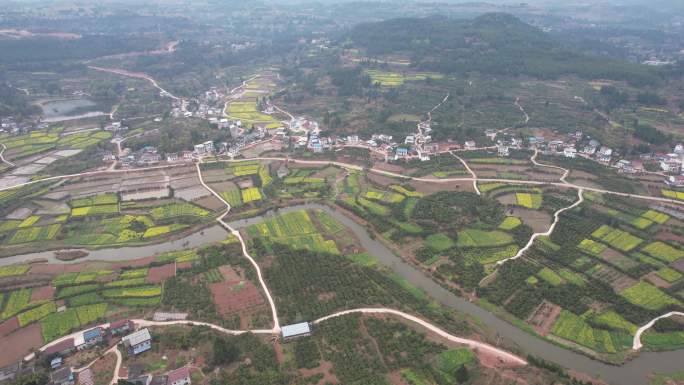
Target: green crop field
(673,194)
(669,274)
(550,276)
(572,277)
(213,276)
(265,176)
(648,296)
(330,224)
(18,300)
(13,270)
(486,256)
(178,210)
(527,200)
(94,210)
(179,256)
(510,223)
(9,225)
(573,328)
(85,299)
(161,230)
(126,282)
(251,194)
(91,313)
(137,302)
(135,273)
(70,291)
(450,360)
(133,292)
(245,169)
(592,247)
(408,193)
(615,321)
(28,222)
(482,238)
(35,234)
(487,187)
(56,325)
(233,197)
(656,216)
(103,199)
(616,238)
(36,314)
(663,251)
(294,180)
(372,207)
(286,225)
(439,242)
(386,197)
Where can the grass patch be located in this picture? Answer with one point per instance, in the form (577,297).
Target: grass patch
(510,223)
(550,276)
(439,242)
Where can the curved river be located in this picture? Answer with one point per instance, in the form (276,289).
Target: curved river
(634,372)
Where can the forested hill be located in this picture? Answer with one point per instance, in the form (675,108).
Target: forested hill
(495,43)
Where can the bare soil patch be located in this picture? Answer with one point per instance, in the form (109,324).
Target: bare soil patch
(659,282)
(42,293)
(158,274)
(9,326)
(434,187)
(210,202)
(235,294)
(668,236)
(19,343)
(538,220)
(543,318)
(325,368)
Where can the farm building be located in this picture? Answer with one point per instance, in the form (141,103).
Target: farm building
(291,332)
(180,376)
(120,327)
(63,376)
(89,338)
(138,342)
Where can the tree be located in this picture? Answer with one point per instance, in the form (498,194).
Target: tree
(225,352)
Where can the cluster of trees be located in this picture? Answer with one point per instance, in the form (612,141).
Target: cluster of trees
(497,44)
(14,102)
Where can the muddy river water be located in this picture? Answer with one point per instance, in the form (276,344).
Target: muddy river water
(634,372)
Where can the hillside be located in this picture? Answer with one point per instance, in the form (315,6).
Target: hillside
(495,43)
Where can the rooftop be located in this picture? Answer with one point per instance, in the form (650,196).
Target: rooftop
(138,337)
(178,374)
(296,329)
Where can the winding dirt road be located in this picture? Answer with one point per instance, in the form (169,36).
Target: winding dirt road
(137,75)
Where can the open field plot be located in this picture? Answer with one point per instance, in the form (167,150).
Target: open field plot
(374,208)
(102,199)
(383,196)
(655,216)
(592,247)
(232,196)
(135,273)
(95,210)
(58,324)
(177,210)
(161,230)
(36,142)
(394,79)
(406,192)
(36,314)
(252,194)
(673,194)
(246,168)
(133,292)
(573,328)
(179,256)
(616,238)
(550,276)
(486,256)
(35,234)
(296,230)
(510,223)
(669,274)
(663,251)
(17,301)
(13,270)
(648,296)
(296,180)
(530,201)
(248,111)
(482,238)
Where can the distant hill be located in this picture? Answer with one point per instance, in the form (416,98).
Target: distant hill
(494,43)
